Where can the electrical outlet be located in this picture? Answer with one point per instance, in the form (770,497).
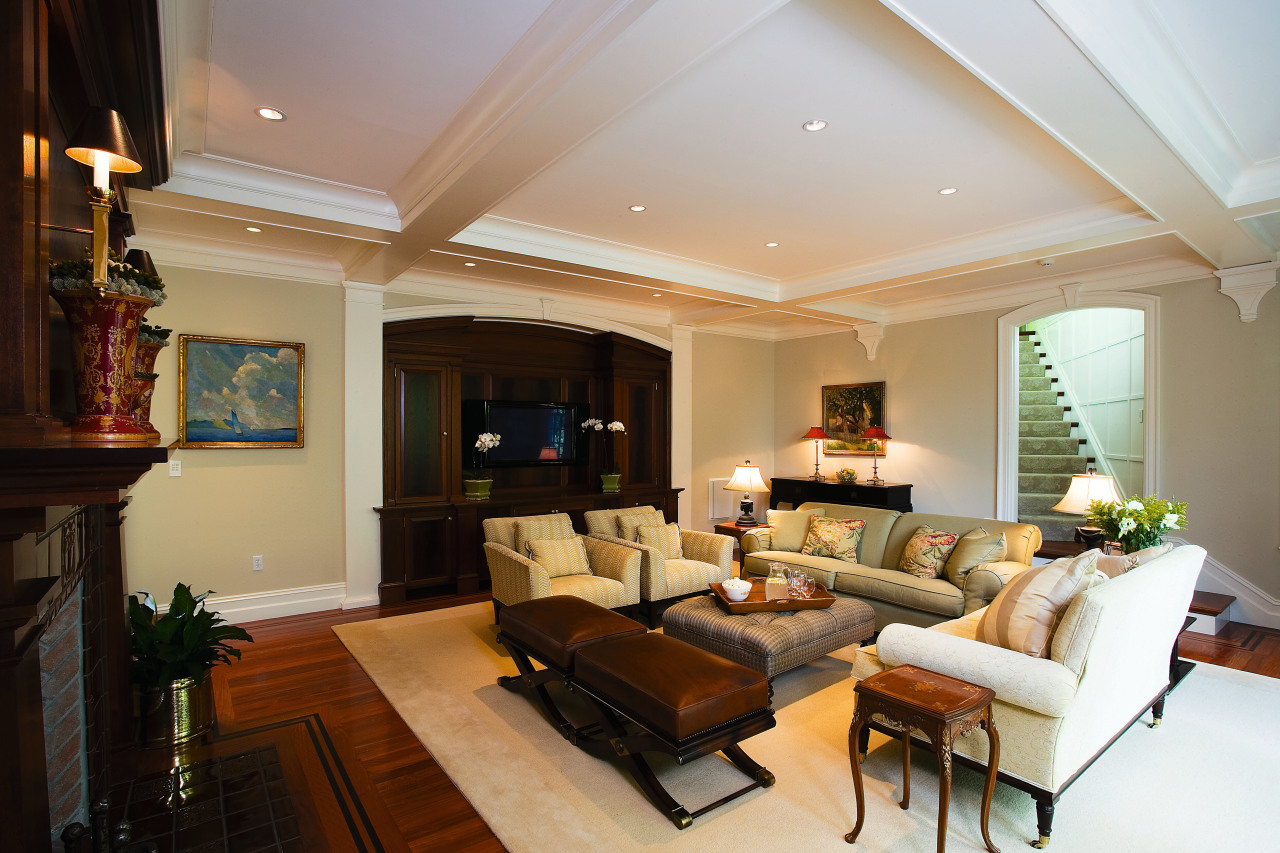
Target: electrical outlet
(257,562)
(175,467)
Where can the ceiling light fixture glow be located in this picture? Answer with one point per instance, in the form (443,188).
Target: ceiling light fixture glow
(770,245)
(948,191)
(469,264)
(636,208)
(254,229)
(814,125)
(271,114)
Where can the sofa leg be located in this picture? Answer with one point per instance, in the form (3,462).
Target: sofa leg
(1044,821)
(1157,712)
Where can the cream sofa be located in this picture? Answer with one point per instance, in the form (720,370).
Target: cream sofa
(898,596)
(1109,662)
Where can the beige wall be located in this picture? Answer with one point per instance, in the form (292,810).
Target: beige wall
(1219,417)
(204,527)
(733,398)
(940,399)
(1220,426)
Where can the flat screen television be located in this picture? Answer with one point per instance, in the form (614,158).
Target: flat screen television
(532,433)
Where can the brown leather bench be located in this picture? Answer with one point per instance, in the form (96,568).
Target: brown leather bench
(646,692)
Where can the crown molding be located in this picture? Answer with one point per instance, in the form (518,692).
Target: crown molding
(521,238)
(223,256)
(547,312)
(217,178)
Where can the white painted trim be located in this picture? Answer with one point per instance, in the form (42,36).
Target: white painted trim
(274,603)
(681,427)
(1253,606)
(524,313)
(1007,385)
(523,238)
(870,335)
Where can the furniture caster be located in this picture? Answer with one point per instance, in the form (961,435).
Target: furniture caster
(765,778)
(681,819)
(1155,723)
(1042,843)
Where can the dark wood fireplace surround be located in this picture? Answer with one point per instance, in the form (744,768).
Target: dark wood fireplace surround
(61,57)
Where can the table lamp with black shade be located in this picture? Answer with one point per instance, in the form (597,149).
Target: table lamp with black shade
(746,478)
(1084,490)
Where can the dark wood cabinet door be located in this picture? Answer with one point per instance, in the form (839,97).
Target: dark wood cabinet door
(419,434)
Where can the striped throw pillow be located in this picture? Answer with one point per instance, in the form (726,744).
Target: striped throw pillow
(560,557)
(666,539)
(628,524)
(1024,614)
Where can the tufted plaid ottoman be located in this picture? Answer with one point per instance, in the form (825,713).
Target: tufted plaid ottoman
(769,642)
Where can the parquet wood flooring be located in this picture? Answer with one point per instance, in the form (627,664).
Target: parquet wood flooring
(297,667)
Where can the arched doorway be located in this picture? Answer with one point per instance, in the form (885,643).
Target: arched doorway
(1007,461)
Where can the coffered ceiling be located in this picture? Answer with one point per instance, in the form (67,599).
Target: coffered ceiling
(496,147)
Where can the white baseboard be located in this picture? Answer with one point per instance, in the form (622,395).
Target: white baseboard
(1252,606)
(275,603)
(1211,625)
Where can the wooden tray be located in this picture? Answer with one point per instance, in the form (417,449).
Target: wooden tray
(756,600)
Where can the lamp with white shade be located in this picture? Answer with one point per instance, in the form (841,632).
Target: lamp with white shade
(746,478)
(1084,490)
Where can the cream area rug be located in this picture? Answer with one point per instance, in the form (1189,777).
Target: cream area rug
(1207,780)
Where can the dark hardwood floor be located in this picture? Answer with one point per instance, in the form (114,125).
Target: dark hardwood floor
(364,782)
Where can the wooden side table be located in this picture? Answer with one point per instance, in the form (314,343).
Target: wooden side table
(938,706)
(728,528)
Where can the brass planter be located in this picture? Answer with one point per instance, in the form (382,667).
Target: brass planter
(181,712)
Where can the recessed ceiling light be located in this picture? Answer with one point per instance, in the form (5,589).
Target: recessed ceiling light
(814,125)
(271,113)
(657,296)
(770,245)
(254,229)
(469,264)
(948,191)
(636,208)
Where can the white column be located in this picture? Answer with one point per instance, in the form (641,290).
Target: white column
(362,439)
(682,418)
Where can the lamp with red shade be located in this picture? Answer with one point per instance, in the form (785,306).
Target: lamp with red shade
(818,436)
(876,434)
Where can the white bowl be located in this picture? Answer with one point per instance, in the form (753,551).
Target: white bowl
(736,589)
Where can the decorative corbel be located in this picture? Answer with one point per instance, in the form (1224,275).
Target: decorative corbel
(1071,294)
(1247,286)
(870,335)
(547,305)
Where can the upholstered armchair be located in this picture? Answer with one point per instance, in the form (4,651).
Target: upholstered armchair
(674,563)
(534,556)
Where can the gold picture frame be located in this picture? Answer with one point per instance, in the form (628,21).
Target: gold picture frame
(847,412)
(237,393)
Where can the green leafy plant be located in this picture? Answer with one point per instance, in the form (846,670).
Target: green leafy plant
(186,642)
(121,277)
(1138,522)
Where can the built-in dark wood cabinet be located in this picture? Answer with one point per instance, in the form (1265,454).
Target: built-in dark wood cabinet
(796,491)
(431,535)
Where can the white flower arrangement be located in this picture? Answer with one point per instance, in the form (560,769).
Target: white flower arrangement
(485,442)
(598,426)
(1138,522)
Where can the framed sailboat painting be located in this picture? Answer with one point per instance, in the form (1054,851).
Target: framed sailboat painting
(239,393)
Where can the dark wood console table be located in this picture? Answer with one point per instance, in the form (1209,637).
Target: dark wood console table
(795,491)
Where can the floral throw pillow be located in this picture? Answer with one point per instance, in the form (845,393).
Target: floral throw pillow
(927,551)
(834,537)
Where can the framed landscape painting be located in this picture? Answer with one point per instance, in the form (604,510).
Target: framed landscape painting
(847,412)
(239,393)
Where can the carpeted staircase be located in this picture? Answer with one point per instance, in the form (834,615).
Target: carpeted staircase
(1048,452)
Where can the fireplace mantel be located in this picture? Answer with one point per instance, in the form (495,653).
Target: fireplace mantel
(33,479)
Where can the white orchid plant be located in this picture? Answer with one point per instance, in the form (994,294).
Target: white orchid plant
(485,442)
(612,426)
(1138,522)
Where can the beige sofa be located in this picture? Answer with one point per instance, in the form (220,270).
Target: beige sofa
(1108,663)
(898,596)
